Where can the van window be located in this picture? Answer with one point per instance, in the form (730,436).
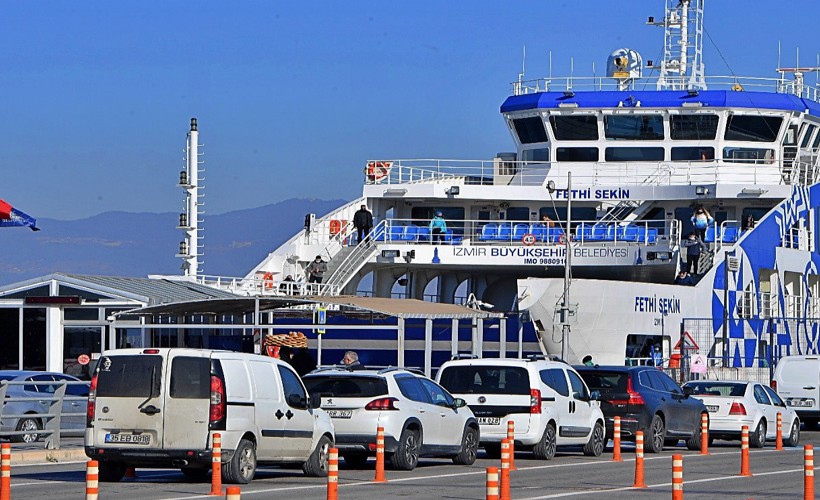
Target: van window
(190,378)
(292,385)
(486,380)
(129,376)
(579,390)
(347,387)
(555,379)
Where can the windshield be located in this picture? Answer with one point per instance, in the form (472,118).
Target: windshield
(717,389)
(475,379)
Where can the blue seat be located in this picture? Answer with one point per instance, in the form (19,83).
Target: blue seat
(730,234)
(710,235)
(379,234)
(630,233)
(411,232)
(519,230)
(396,233)
(504,232)
(539,231)
(614,232)
(452,239)
(423,235)
(554,234)
(640,234)
(488,231)
(583,232)
(652,236)
(598,232)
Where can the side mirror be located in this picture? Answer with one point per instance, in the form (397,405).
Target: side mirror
(459,403)
(315,400)
(688,391)
(595,396)
(296,401)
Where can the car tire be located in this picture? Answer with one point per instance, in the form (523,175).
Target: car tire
(196,474)
(492,450)
(27,424)
(111,472)
(696,440)
(758,437)
(406,456)
(794,436)
(469,447)
(355,460)
(316,464)
(545,449)
(597,441)
(241,468)
(656,435)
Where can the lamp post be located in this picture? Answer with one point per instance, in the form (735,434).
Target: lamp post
(565,329)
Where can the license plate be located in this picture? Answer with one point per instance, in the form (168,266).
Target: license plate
(128,438)
(489,420)
(712,408)
(340,413)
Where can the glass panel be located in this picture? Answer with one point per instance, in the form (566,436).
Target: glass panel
(129,337)
(693,154)
(129,376)
(530,130)
(556,380)
(748,155)
(575,128)
(693,127)
(81,313)
(190,378)
(576,154)
(346,387)
(536,155)
(518,213)
(78,340)
(633,154)
(292,385)
(34,339)
(70,290)
(436,394)
(411,388)
(40,291)
(807,136)
(579,389)
(634,127)
(485,380)
(752,128)
(10,338)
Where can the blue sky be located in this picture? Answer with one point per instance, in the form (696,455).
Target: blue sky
(293,98)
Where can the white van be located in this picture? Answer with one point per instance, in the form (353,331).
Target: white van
(161,408)
(797,381)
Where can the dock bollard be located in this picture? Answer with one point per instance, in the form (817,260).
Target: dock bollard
(492,483)
(233,493)
(639,482)
(704,434)
(505,470)
(5,472)
(379,478)
(511,437)
(333,474)
(778,444)
(808,472)
(616,440)
(92,480)
(216,466)
(677,477)
(744,451)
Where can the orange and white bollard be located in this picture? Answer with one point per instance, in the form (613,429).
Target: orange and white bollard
(808,472)
(616,440)
(92,480)
(505,470)
(492,483)
(233,493)
(639,482)
(5,472)
(511,437)
(677,477)
(216,466)
(379,478)
(704,434)
(744,451)
(778,444)
(333,474)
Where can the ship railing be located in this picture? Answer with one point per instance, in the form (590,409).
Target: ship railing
(605,83)
(267,284)
(457,172)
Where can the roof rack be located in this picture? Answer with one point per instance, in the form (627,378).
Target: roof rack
(463,356)
(404,368)
(545,357)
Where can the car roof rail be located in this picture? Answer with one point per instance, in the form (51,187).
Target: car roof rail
(460,355)
(410,369)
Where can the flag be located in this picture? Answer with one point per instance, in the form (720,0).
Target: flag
(11,217)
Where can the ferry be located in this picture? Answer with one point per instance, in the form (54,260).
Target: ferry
(578,232)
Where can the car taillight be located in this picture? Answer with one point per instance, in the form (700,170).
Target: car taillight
(773,385)
(635,398)
(535,401)
(381,404)
(217,409)
(92,400)
(737,409)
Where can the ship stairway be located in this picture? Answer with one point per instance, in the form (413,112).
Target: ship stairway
(352,259)
(627,211)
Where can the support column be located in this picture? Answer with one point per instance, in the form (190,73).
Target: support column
(400,342)
(520,337)
(502,333)
(478,343)
(454,337)
(428,347)
(54,339)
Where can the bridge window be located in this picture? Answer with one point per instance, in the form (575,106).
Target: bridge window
(530,130)
(807,136)
(748,155)
(535,155)
(693,127)
(576,154)
(574,128)
(518,213)
(693,154)
(752,128)
(634,154)
(559,214)
(634,127)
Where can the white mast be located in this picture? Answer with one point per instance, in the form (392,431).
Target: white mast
(189,222)
(682,64)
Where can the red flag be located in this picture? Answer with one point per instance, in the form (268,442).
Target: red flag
(5,210)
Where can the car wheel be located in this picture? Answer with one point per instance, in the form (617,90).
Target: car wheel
(492,450)
(794,436)
(595,445)
(197,474)
(316,465)
(545,449)
(29,425)
(694,443)
(469,447)
(355,460)
(241,468)
(111,472)
(407,454)
(758,438)
(653,443)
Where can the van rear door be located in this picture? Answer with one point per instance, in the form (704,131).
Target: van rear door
(129,401)
(799,382)
(187,401)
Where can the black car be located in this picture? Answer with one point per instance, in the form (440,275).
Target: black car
(646,399)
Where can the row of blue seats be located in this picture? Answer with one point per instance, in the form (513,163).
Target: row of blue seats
(584,232)
(730,234)
(412,232)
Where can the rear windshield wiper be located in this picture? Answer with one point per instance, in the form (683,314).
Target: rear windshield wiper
(151,390)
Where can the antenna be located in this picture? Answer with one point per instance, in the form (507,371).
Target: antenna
(682,64)
(550,65)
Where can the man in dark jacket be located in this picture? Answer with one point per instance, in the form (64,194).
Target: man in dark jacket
(694,247)
(363,222)
(684,279)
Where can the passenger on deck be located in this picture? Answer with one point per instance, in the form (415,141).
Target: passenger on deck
(701,219)
(363,222)
(316,270)
(438,226)
(286,286)
(684,278)
(748,222)
(545,220)
(694,247)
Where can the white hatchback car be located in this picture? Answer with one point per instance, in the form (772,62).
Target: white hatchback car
(547,400)
(734,404)
(419,417)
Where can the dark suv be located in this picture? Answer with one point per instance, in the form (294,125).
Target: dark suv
(646,399)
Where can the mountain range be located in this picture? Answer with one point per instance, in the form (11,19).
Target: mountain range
(138,244)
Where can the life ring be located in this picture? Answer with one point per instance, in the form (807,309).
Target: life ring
(267,281)
(377,170)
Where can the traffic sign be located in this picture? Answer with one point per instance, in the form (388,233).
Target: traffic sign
(688,343)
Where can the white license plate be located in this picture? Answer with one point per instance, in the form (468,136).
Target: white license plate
(128,438)
(340,413)
(712,408)
(489,420)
